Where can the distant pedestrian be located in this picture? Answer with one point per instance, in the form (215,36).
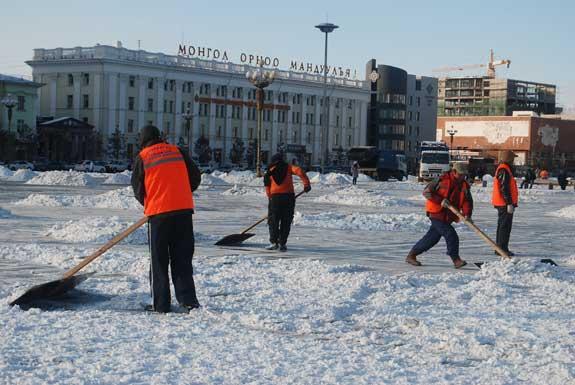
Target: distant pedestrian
(449,189)
(562,179)
(354,172)
(163,180)
(280,191)
(505,198)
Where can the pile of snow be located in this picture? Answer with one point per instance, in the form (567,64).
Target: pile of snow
(367,222)
(98,230)
(235,177)
(115,199)
(510,322)
(356,196)
(209,180)
(5,213)
(63,178)
(119,178)
(245,191)
(566,212)
(330,179)
(5,172)
(22,175)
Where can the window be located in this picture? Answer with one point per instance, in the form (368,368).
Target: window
(86,79)
(410,115)
(219,132)
(130,125)
(131,103)
(150,84)
(70,79)
(309,138)
(418,85)
(251,133)
(418,101)
(70,101)
(171,106)
(165,85)
(349,120)
(172,84)
(21,103)
(85,101)
(150,105)
(165,106)
(417,116)
(349,140)
(336,140)
(337,121)
(20,124)
(132,81)
(267,133)
(235,132)
(411,100)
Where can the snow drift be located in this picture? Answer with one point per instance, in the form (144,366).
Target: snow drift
(367,222)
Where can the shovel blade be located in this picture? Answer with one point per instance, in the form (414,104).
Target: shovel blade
(50,290)
(233,239)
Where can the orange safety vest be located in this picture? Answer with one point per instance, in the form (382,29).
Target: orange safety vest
(457,196)
(166,180)
(497,198)
(286,187)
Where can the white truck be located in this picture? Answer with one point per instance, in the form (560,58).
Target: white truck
(434,160)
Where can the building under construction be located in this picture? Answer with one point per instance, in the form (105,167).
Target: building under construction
(485,96)
(490,96)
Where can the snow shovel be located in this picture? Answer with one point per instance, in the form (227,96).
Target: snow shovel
(69,280)
(234,239)
(486,238)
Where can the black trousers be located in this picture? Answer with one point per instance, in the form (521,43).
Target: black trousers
(504,223)
(172,245)
(280,216)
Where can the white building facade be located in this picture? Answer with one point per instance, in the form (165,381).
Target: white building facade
(118,90)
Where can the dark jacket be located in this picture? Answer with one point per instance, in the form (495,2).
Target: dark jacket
(138,175)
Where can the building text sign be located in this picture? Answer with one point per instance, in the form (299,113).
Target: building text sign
(192,51)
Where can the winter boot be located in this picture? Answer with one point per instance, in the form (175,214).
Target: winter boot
(273,246)
(412,260)
(459,263)
(283,248)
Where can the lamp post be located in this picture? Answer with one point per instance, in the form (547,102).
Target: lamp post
(451,133)
(188,117)
(325,28)
(260,79)
(9,101)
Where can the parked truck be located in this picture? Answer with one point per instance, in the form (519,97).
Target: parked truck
(379,164)
(433,160)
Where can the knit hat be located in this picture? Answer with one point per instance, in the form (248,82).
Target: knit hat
(148,134)
(506,156)
(277,158)
(461,168)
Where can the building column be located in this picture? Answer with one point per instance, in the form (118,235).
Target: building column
(228,132)
(179,132)
(112,103)
(142,105)
(331,129)
(290,122)
(76,95)
(212,116)
(275,138)
(195,120)
(244,116)
(96,102)
(53,96)
(344,127)
(317,132)
(362,124)
(160,103)
(122,105)
(300,131)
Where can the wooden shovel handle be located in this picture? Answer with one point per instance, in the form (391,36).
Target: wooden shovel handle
(106,247)
(264,218)
(472,225)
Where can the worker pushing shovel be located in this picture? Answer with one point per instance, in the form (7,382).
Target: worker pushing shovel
(449,189)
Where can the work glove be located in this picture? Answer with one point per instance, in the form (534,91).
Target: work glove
(445,203)
(510,209)
(307,188)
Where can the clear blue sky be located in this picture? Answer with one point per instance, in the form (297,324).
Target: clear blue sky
(537,36)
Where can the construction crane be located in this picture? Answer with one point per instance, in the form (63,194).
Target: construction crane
(490,66)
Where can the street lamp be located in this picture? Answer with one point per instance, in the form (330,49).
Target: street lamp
(9,101)
(188,117)
(451,133)
(325,28)
(260,79)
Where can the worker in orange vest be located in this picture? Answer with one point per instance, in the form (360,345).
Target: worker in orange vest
(505,198)
(163,180)
(280,191)
(451,188)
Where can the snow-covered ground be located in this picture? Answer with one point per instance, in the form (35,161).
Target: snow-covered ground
(340,307)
